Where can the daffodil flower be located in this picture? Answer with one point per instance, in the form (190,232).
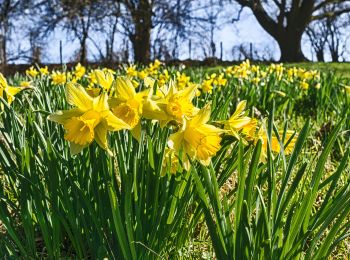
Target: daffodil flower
(104,78)
(90,120)
(44,70)
(197,139)
(79,71)
(9,91)
(58,77)
(32,72)
(131,71)
(170,162)
(275,144)
(172,105)
(128,105)
(238,121)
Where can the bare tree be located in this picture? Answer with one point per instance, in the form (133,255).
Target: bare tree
(329,34)
(317,33)
(336,40)
(78,17)
(287,20)
(170,20)
(10,11)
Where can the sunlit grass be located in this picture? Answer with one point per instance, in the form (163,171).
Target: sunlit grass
(277,191)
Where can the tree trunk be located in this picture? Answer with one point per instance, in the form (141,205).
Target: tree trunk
(3,49)
(335,56)
(3,43)
(290,46)
(141,43)
(83,50)
(320,55)
(141,39)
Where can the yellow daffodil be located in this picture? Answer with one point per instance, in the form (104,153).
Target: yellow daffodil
(275,144)
(8,91)
(171,162)
(174,105)
(220,80)
(25,84)
(79,71)
(131,71)
(182,80)
(44,70)
(32,72)
(197,139)
(89,120)
(256,80)
(238,120)
(104,78)
(149,82)
(58,77)
(153,68)
(304,85)
(249,130)
(142,74)
(127,104)
(93,91)
(207,85)
(108,70)
(163,78)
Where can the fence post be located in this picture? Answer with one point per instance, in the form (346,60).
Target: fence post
(107,51)
(221,50)
(189,48)
(61,58)
(251,50)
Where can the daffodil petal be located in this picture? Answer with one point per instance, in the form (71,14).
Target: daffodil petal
(3,81)
(100,103)
(76,148)
(101,136)
(239,123)
(151,110)
(114,123)
(11,91)
(149,82)
(175,141)
(240,108)
(189,93)
(124,88)
(136,131)
(62,116)
(203,116)
(77,96)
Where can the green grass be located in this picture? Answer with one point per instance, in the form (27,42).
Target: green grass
(338,68)
(248,203)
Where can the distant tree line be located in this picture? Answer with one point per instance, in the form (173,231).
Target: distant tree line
(155,28)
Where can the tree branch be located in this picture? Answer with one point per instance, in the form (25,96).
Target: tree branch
(330,14)
(261,15)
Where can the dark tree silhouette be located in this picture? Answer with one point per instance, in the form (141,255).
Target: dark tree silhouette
(10,10)
(287,20)
(74,16)
(176,17)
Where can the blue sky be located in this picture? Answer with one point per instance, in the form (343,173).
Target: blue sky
(247,30)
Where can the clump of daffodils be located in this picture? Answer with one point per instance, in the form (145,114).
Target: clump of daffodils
(103,101)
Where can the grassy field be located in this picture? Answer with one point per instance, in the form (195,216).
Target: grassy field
(239,162)
(339,69)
